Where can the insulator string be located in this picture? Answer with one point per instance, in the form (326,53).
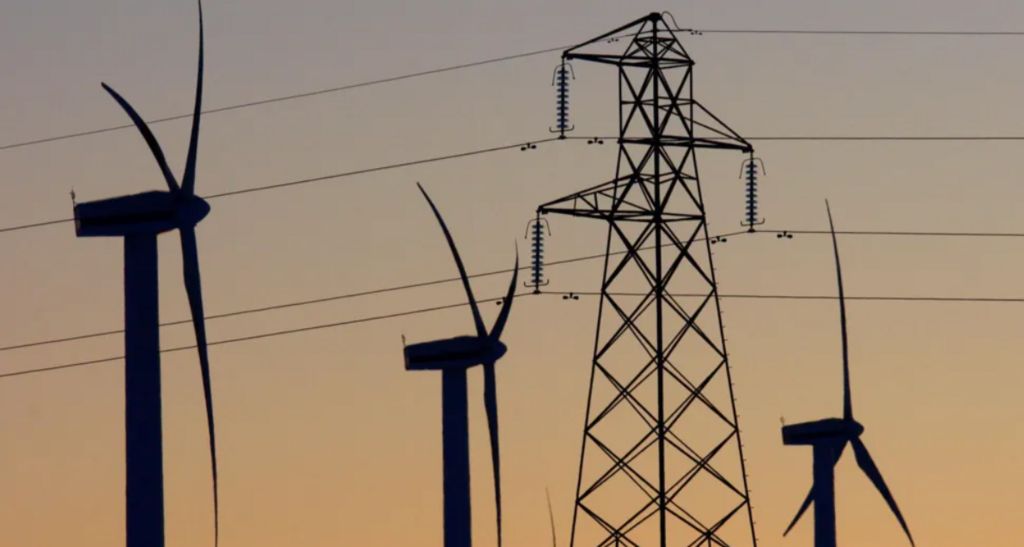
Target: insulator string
(560,79)
(535,232)
(749,171)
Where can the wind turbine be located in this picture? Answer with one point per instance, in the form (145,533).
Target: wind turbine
(139,218)
(454,357)
(828,438)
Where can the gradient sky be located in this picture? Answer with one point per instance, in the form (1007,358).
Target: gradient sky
(324,438)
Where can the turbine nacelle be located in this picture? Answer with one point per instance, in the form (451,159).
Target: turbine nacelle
(821,431)
(453,353)
(146,213)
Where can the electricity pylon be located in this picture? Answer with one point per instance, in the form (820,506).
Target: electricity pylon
(661,461)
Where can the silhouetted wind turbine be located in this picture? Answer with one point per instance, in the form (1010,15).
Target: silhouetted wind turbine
(828,438)
(453,357)
(139,218)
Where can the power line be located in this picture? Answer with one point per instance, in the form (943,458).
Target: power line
(856,32)
(322,178)
(293,96)
(504,58)
(552,263)
(308,302)
(888,138)
(895,233)
(851,138)
(758,296)
(478,152)
(418,311)
(380,168)
(260,309)
(40,224)
(253,337)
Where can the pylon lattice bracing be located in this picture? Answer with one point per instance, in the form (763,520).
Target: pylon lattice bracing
(662,459)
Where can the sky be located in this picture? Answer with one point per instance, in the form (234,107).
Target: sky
(324,439)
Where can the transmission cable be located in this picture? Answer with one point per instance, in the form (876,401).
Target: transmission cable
(520,145)
(564,294)
(322,178)
(780,296)
(839,138)
(855,32)
(294,96)
(400,77)
(384,290)
(319,300)
(893,233)
(255,336)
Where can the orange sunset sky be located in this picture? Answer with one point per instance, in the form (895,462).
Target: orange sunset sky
(324,439)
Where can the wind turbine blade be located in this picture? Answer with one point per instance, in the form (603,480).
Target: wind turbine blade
(803,508)
(847,399)
(810,494)
(551,516)
(481,331)
(871,470)
(499,323)
(188,179)
(491,405)
(143,128)
(190,260)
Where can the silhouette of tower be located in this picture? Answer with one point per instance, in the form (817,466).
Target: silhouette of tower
(661,461)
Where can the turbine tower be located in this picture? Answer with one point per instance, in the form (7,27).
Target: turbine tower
(661,461)
(139,218)
(454,357)
(828,438)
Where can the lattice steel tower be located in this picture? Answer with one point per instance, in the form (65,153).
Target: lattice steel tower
(662,461)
